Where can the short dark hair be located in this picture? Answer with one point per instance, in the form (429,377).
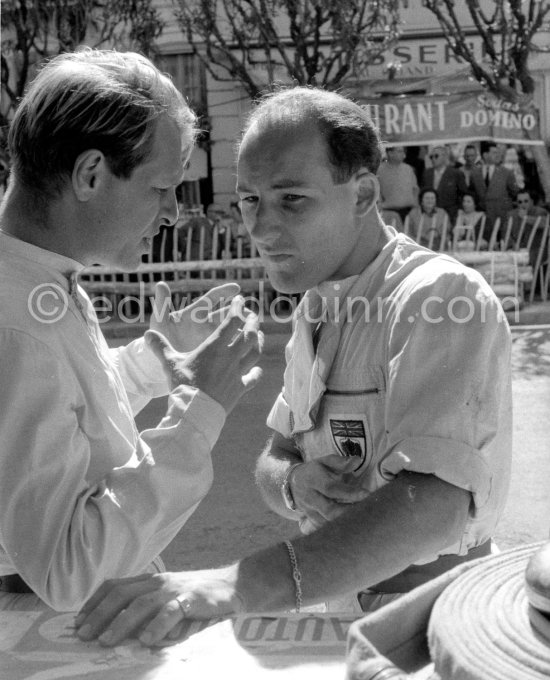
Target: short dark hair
(427,190)
(472,195)
(92,99)
(352,139)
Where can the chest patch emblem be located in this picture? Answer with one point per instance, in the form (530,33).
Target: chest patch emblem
(350,439)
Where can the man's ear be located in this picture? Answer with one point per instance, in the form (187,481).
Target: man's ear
(368,192)
(88,172)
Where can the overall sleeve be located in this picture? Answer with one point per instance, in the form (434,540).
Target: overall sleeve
(64,530)
(141,373)
(448,408)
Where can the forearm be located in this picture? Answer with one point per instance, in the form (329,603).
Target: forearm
(65,534)
(406,521)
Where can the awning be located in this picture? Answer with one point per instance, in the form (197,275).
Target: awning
(416,119)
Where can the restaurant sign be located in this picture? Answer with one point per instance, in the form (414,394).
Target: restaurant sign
(410,120)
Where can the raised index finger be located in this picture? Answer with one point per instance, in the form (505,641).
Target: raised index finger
(159,302)
(216,296)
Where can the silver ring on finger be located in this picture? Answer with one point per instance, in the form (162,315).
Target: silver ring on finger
(184,605)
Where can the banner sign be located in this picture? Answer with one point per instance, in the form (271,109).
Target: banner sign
(409,120)
(40,644)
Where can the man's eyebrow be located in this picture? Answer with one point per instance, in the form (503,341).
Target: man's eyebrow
(279,184)
(289,184)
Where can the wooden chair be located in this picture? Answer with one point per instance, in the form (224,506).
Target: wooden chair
(493,239)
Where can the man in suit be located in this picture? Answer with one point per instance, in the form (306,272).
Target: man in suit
(495,187)
(448,182)
(470,163)
(526,217)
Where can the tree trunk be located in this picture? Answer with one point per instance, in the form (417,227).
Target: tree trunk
(540,154)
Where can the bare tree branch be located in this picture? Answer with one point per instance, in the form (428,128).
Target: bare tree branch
(313,41)
(507,37)
(33,30)
(505,72)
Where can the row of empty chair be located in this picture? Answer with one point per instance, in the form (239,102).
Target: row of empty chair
(192,259)
(532,238)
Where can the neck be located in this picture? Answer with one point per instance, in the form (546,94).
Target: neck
(373,238)
(38,222)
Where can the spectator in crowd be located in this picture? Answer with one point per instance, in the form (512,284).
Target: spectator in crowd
(495,188)
(391,445)
(469,222)
(526,217)
(511,161)
(446,180)
(98,144)
(471,161)
(398,185)
(429,225)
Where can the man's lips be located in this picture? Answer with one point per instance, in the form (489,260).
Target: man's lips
(275,254)
(276,257)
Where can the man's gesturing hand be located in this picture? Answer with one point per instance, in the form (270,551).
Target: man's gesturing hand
(224,365)
(186,328)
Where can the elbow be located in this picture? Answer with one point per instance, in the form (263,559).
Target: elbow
(452,513)
(441,509)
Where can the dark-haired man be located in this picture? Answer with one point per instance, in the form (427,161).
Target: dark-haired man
(448,182)
(495,187)
(391,444)
(527,217)
(470,163)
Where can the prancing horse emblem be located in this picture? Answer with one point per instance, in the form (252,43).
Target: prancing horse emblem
(350,439)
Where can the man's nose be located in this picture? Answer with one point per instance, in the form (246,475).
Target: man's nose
(259,221)
(169,208)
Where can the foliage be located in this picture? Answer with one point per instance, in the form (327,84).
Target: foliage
(35,29)
(313,42)
(507,29)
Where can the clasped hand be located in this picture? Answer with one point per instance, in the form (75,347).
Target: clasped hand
(325,487)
